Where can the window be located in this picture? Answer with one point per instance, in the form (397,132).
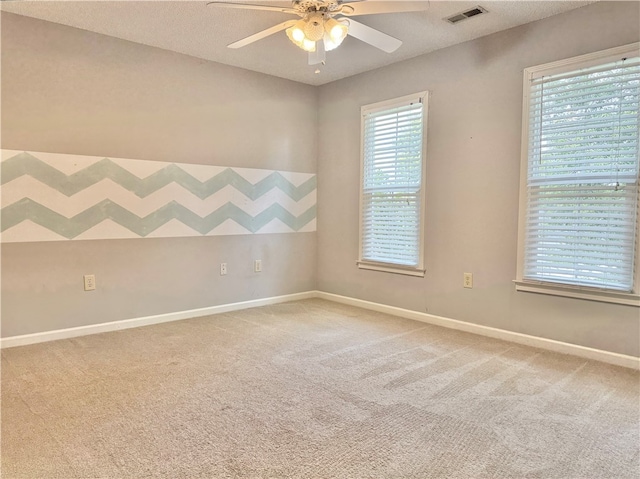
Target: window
(392,187)
(579,191)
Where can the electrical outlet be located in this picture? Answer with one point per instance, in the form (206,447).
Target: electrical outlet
(257,266)
(223,269)
(468,280)
(89,282)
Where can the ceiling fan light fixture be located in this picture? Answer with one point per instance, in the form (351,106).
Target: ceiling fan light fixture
(336,30)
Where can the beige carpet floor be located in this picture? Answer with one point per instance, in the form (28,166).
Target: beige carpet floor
(312,389)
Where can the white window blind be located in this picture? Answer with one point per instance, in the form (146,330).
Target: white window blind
(392,183)
(582,176)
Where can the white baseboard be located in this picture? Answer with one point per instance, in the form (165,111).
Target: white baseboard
(535,341)
(67,333)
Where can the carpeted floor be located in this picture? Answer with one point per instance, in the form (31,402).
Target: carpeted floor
(312,389)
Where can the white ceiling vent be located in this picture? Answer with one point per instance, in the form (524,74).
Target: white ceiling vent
(472,12)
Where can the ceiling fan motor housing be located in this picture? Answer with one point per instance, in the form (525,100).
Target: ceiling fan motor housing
(309,6)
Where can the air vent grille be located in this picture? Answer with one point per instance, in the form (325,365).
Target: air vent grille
(458,17)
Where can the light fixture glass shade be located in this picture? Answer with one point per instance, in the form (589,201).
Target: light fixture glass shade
(308,45)
(296,33)
(336,30)
(329,44)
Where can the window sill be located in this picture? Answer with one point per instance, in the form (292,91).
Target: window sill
(629,299)
(390,268)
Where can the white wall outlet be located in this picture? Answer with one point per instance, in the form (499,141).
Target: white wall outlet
(257,266)
(89,282)
(223,269)
(468,280)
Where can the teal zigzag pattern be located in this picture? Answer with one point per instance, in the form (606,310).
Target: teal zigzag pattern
(27,164)
(27,209)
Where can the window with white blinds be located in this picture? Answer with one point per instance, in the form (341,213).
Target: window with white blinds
(392,189)
(582,161)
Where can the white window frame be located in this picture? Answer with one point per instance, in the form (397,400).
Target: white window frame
(555,289)
(422,97)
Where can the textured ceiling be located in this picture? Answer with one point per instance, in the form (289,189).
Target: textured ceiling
(192,28)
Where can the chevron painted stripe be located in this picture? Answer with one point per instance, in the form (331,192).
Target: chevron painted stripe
(47,197)
(72,205)
(27,164)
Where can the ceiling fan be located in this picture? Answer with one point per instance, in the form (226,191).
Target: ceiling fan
(324,24)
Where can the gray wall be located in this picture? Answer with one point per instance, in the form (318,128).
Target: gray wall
(66,90)
(71,91)
(473,163)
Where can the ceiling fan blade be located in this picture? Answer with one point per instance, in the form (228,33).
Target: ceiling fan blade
(246,6)
(372,7)
(319,56)
(374,37)
(260,35)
